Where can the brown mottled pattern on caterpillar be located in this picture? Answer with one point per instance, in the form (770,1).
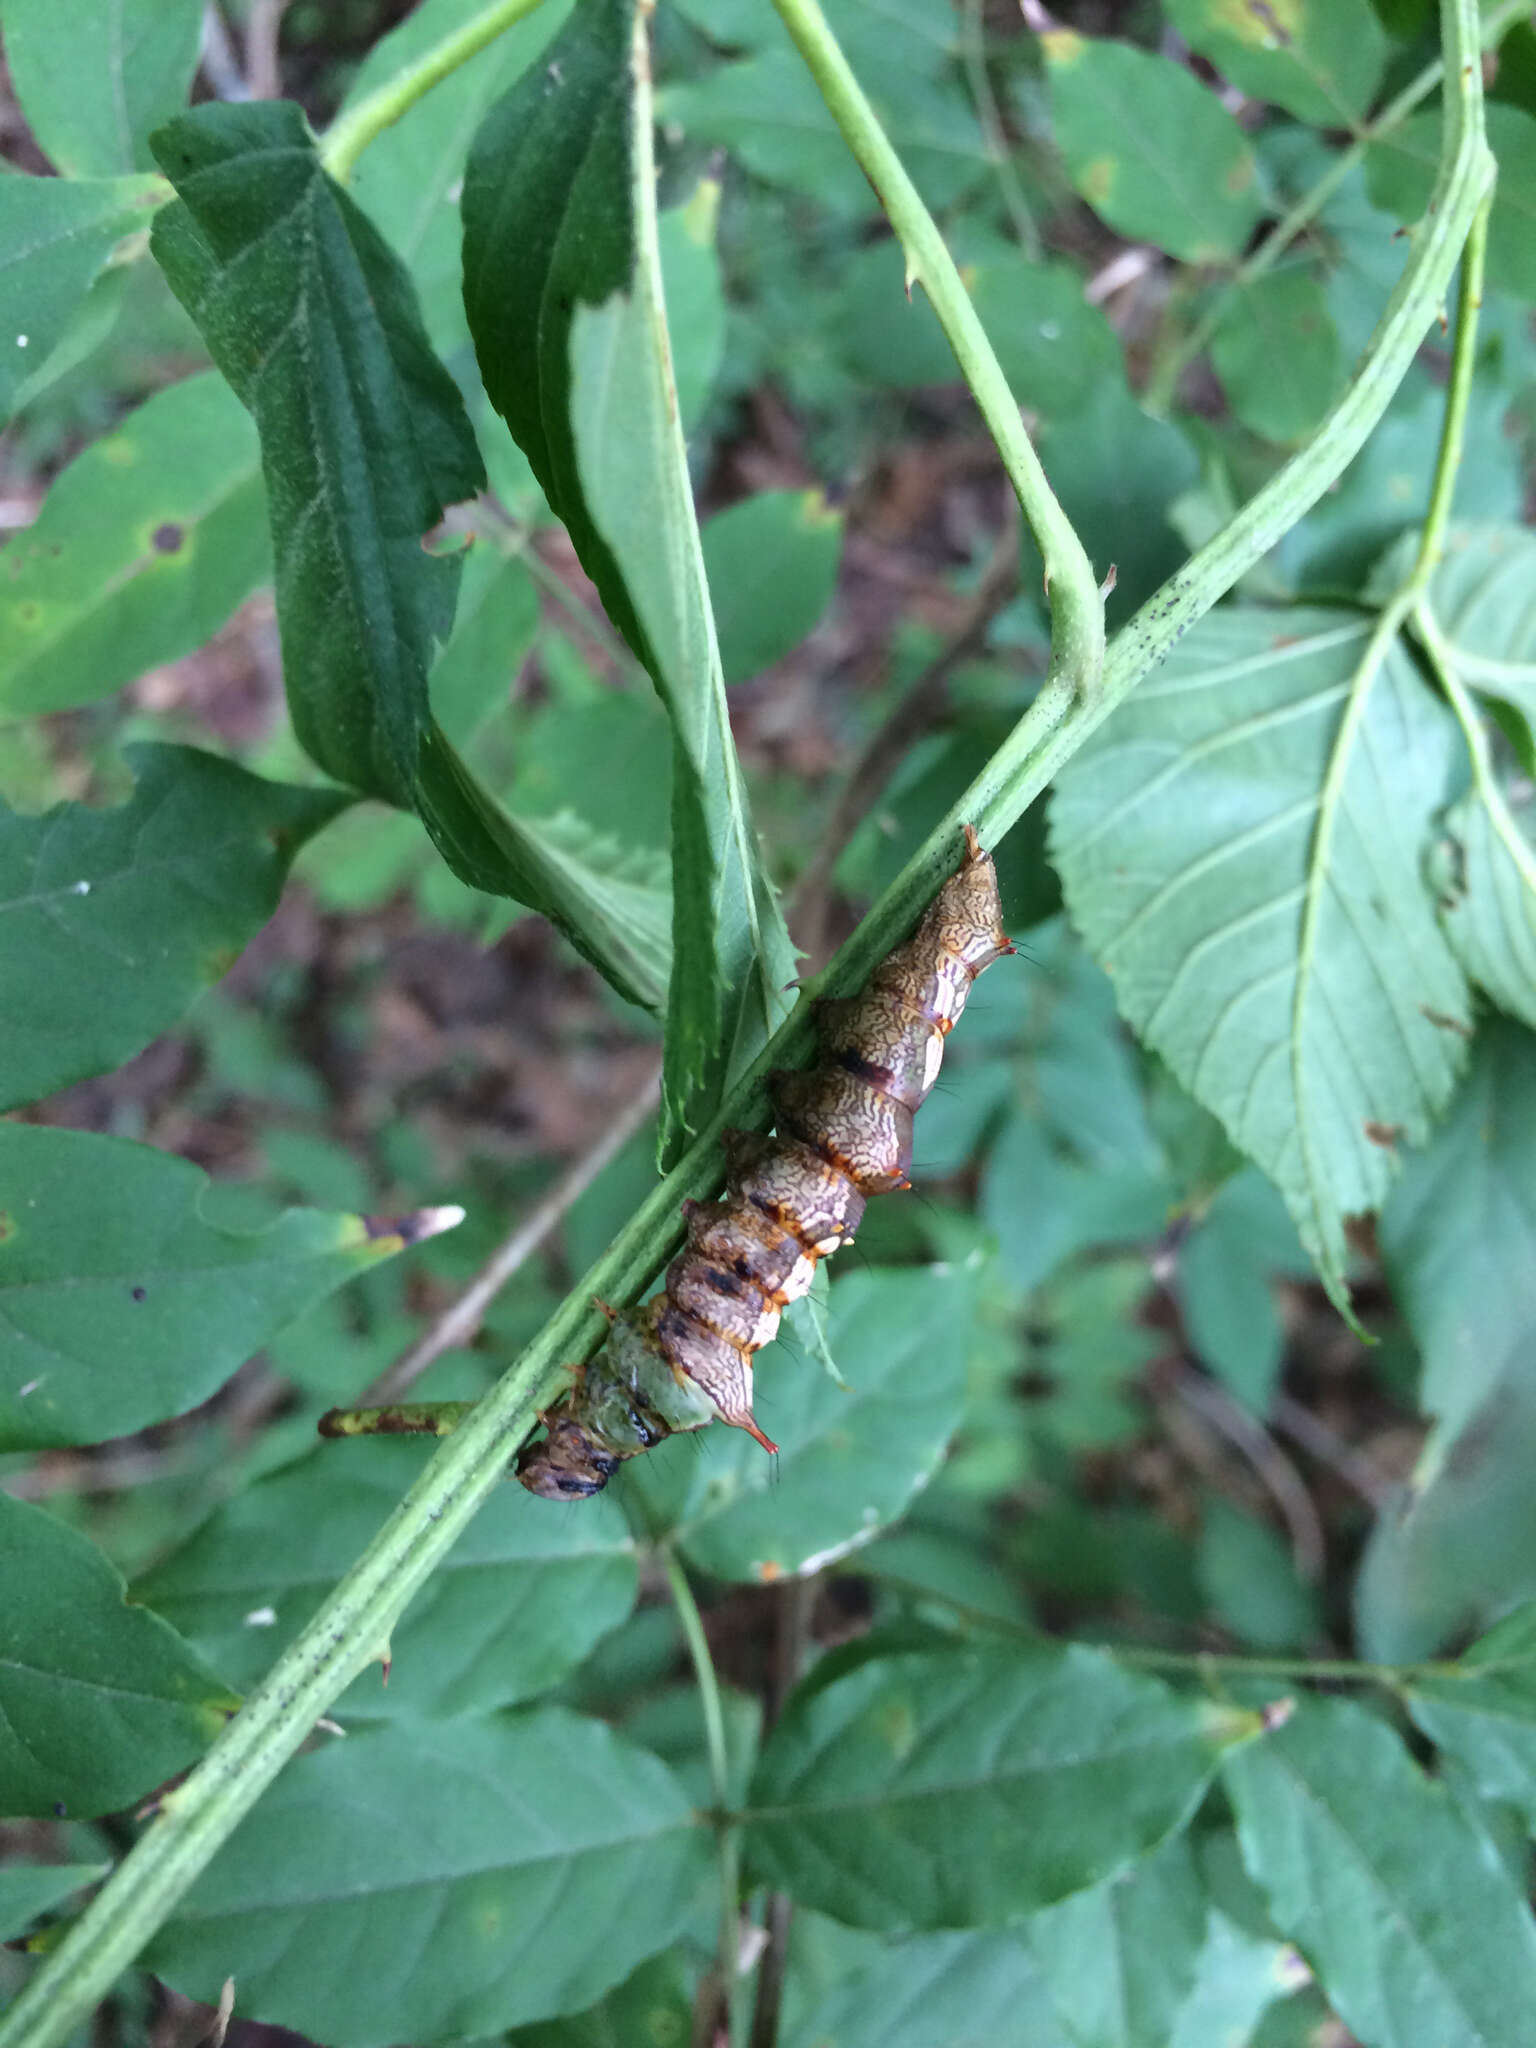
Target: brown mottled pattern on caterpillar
(844,1131)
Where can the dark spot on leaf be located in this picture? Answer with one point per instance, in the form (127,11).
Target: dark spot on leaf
(60,1809)
(7,1225)
(26,614)
(140,1293)
(167,539)
(1445,1023)
(1385,1135)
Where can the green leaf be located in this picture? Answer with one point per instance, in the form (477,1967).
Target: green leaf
(1120,1960)
(499,1872)
(1277,354)
(772,566)
(850,1458)
(99,1700)
(56,235)
(1483,1711)
(94,76)
(1480,594)
(1400,174)
(767,111)
(654,2005)
(1245,860)
(1413,1931)
(1458,1235)
(142,549)
(1237,1976)
(113,921)
(1226,1286)
(1117,472)
(1458,1548)
(1319,59)
(30,1889)
(407,180)
(969,1786)
(123,1303)
(1484,868)
(1249,1577)
(934,1991)
(563,289)
(514,1607)
(364,441)
(1154,153)
(695,295)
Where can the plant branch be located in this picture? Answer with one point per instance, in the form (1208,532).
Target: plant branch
(342,1636)
(351,133)
(973,54)
(716,1995)
(1077,609)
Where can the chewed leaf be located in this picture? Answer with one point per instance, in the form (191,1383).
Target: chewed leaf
(121,1304)
(99,1699)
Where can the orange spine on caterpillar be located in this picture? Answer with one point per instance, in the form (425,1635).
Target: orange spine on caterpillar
(843,1132)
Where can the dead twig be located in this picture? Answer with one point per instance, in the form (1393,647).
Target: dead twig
(1281,1479)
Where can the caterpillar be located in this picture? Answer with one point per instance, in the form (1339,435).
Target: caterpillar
(843,1133)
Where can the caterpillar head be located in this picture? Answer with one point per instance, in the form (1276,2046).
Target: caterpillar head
(566,1464)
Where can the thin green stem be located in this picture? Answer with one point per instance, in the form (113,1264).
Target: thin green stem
(1166,373)
(727,1833)
(350,135)
(1077,609)
(973,53)
(344,1634)
(1442,657)
(1458,396)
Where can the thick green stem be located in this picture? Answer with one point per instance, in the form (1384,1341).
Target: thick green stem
(351,133)
(1077,610)
(344,1635)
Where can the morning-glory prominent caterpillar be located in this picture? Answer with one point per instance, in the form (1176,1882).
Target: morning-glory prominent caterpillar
(843,1132)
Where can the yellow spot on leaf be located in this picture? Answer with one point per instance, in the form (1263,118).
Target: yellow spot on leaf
(1265,24)
(1098,179)
(1061,46)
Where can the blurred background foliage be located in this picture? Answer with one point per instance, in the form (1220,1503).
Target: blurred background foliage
(1159,1432)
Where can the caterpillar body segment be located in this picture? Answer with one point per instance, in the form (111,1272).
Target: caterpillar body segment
(844,1132)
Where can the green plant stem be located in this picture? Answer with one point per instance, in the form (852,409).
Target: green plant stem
(1166,373)
(345,1633)
(973,54)
(1077,609)
(727,1833)
(351,133)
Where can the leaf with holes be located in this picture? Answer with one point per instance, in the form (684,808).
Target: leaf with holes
(1484,868)
(1241,845)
